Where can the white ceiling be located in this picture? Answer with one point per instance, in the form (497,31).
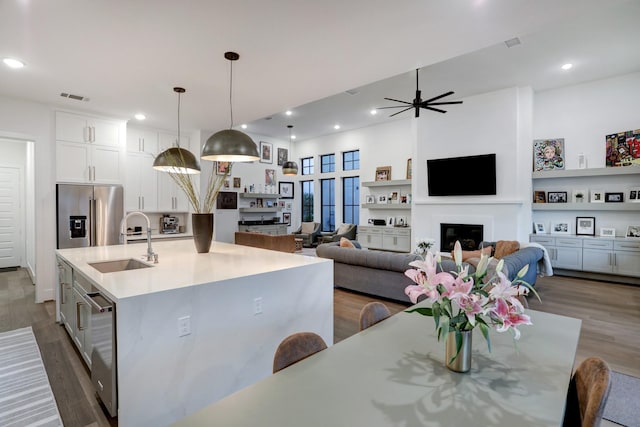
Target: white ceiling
(126,56)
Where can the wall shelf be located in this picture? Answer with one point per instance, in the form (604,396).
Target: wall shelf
(391,183)
(259,196)
(394,206)
(586,206)
(572,173)
(258,210)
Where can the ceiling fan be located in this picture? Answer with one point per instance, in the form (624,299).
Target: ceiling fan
(418,103)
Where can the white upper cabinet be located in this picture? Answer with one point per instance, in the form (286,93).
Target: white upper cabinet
(140,140)
(72,127)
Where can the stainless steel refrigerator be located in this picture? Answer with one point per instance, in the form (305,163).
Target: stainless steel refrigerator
(89,215)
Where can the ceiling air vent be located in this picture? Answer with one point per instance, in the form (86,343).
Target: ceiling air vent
(512,42)
(72,96)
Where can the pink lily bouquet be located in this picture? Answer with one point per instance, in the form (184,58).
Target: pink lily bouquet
(461,301)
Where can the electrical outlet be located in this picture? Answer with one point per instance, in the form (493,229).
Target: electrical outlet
(184,326)
(257,305)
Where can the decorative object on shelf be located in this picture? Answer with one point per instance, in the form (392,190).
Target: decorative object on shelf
(560,227)
(226,183)
(383,173)
(236,183)
(607,232)
(222,168)
(286,218)
(585,226)
(409,170)
(382,199)
(230,145)
(614,197)
(423,245)
(400,221)
(177,160)
(557,197)
(202,224)
(597,196)
(370,199)
(393,197)
(227,200)
(582,161)
(633,231)
(285,189)
(460,301)
(579,196)
(548,154)
(418,103)
(539,228)
(634,195)
(266,151)
(269,178)
(539,197)
(289,167)
(623,148)
(289,206)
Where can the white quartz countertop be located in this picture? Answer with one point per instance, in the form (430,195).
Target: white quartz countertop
(179,265)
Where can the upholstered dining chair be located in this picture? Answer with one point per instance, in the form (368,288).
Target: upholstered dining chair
(373,313)
(296,347)
(588,392)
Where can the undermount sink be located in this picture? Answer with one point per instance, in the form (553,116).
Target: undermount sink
(118,265)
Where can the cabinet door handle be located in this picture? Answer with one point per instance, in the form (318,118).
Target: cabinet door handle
(86,134)
(92,132)
(142,144)
(142,197)
(78,325)
(94,173)
(615,260)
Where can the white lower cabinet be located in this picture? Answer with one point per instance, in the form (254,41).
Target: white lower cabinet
(564,252)
(67,304)
(395,239)
(82,325)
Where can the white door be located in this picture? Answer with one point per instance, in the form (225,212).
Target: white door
(11,246)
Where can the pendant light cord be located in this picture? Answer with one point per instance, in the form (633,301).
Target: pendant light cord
(230,91)
(178,142)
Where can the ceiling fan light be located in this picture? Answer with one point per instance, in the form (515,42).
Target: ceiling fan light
(177,160)
(230,145)
(290,168)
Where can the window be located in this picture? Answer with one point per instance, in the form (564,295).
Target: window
(307,166)
(351,199)
(351,160)
(327,163)
(328,208)
(307,201)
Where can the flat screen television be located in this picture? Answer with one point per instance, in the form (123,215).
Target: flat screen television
(462,176)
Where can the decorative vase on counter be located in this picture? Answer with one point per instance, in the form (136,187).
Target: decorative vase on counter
(202,231)
(461,362)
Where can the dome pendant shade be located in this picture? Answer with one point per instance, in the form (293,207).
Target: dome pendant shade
(290,168)
(230,146)
(177,160)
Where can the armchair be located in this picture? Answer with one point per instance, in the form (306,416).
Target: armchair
(308,232)
(345,230)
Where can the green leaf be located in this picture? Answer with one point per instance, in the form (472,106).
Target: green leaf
(485,333)
(425,311)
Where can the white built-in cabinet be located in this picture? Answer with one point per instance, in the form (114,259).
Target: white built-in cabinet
(141,184)
(395,239)
(142,140)
(88,149)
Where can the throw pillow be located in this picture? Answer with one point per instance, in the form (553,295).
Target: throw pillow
(343,228)
(307,227)
(346,243)
(506,247)
(475,254)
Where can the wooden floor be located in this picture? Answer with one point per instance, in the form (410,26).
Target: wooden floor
(610,316)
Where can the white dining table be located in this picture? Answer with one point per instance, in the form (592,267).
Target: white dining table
(393,374)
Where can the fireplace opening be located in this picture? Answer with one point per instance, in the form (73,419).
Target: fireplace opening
(469,235)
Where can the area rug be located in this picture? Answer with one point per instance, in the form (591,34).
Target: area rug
(26,399)
(623,404)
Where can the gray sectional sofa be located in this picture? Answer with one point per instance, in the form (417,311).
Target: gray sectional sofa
(381,273)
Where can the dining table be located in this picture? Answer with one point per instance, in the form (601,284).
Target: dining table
(394,374)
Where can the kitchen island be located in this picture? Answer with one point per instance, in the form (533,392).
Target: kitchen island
(236,303)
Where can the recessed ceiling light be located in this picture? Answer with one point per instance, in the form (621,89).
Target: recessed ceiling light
(140,116)
(567,66)
(13,63)
(288,113)
(293,137)
(336,127)
(374,112)
(243,126)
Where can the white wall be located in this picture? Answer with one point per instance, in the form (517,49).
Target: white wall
(583,115)
(30,121)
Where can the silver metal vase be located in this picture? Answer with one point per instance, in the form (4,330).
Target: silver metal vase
(460,362)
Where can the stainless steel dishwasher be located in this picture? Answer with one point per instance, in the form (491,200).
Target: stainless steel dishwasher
(103,355)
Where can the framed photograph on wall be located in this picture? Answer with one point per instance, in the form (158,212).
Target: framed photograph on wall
(633,231)
(607,232)
(557,197)
(236,182)
(560,227)
(633,195)
(539,228)
(285,189)
(227,200)
(266,152)
(283,156)
(222,167)
(539,197)
(286,218)
(383,173)
(382,198)
(597,196)
(409,171)
(614,197)
(585,226)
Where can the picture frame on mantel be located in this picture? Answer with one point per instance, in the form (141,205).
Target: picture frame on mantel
(585,226)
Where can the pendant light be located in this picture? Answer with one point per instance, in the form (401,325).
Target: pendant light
(230,145)
(176,159)
(290,168)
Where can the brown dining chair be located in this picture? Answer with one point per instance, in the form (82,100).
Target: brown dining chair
(588,392)
(296,347)
(373,313)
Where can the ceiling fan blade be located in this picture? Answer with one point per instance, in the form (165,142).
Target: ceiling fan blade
(394,106)
(397,100)
(434,109)
(443,103)
(395,114)
(439,96)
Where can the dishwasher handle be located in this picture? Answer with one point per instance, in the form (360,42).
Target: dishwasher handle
(98,302)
